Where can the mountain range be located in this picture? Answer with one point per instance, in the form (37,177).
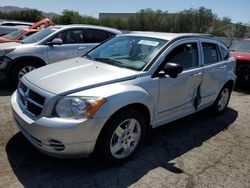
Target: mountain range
(7,9)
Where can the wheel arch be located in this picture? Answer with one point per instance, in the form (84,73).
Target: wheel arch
(135,106)
(24,58)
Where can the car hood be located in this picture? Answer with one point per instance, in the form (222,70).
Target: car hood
(77,74)
(241,55)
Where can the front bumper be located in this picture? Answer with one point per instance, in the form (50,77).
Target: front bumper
(58,137)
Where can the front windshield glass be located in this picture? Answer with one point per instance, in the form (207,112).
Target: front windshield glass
(39,35)
(241,46)
(132,52)
(14,34)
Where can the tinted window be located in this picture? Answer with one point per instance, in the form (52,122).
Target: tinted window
(94,36)
(71,36)
(110,34)
(210,52)
(186,55)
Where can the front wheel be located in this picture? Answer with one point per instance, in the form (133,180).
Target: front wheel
(122,136)
(222,100)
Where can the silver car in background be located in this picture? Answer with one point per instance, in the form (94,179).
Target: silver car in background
(109,99)
(49,45)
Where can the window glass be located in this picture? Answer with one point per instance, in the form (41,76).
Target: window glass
(210,52)
(186,55)
(14,34)
(26,35)
(71,36)
(94,36)
(38,36)
(225,53)
(128,51)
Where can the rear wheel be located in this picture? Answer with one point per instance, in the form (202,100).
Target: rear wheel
(122,136)
(21,69)
(222,100)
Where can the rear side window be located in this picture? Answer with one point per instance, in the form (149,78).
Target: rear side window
(94,36)
(211,53)
(186,55)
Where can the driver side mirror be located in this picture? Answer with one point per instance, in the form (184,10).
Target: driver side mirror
(172,69)
(56,41)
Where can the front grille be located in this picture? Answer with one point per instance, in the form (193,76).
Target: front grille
(243,70)
(31,100)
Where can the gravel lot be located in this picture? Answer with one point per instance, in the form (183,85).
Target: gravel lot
(201,150)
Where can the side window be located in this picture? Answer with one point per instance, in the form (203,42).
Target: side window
(225,53)
(211,53)
(186,55)
(110,34)
(94,36)
(71,36)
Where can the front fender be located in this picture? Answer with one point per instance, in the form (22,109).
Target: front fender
(118,96)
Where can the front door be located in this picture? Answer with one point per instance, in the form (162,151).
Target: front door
(179,96)
(69,48)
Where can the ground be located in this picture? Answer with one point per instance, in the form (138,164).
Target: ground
(201,150)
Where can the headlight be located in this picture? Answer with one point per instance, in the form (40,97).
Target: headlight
(78,107)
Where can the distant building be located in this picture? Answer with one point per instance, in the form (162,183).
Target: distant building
(123,16)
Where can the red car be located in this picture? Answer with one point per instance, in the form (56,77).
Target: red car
(18,35)
(241,52)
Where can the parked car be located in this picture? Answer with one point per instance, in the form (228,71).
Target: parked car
(16,36)
(241,52)
(49,45)
(7,26)
(109,99)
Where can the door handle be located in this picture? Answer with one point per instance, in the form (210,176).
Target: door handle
(197,74)
(221,67)
(82,48)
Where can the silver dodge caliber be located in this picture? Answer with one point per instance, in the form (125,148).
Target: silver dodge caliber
(107,100)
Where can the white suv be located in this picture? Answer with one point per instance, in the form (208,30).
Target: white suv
(108,100)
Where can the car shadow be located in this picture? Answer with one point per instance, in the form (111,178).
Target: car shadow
(6,89)
(34,169)
(242,88)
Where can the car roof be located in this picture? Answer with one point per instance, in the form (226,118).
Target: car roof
(14,22)
(168,36)
(109,29)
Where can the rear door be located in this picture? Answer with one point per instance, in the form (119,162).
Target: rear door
(215,71)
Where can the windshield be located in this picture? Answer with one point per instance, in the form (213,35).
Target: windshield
(39,35)
(14,34)
(131,52)
(241,46)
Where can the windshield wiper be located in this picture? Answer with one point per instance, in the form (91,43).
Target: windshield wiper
(110,61)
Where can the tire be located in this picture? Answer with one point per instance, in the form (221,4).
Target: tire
(121,136)
(20,69)
(220,104)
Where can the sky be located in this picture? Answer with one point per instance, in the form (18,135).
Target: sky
(237,10)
